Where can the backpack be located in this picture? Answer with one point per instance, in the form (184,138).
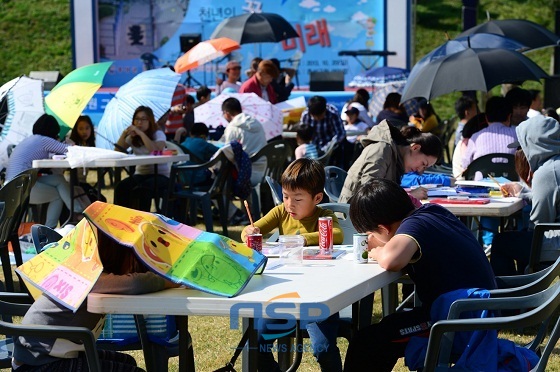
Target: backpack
(242,172)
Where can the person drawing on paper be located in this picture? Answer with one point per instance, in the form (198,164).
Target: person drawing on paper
(431,245)
(122,273)
(302,189)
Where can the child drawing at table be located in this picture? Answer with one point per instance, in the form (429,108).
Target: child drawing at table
(302,189)
(122,273)
(144,137)
(432,246)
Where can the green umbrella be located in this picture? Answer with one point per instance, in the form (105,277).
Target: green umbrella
(69,97)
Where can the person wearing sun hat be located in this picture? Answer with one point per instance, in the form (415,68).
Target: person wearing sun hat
(233,71)
(538,165)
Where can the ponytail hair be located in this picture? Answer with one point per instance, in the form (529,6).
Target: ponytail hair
(430,144)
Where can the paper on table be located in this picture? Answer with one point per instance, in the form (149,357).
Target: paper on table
(446,191)
(485,182)
(80,156)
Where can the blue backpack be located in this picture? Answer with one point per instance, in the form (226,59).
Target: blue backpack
(242,173)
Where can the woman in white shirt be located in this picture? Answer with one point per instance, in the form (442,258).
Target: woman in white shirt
(144,137)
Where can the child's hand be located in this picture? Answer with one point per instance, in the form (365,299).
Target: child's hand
(512,189)
(419,193)
(252,230)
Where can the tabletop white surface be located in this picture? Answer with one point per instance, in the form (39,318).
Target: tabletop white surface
(334,283)
(120,162)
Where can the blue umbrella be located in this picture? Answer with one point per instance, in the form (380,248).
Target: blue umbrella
(152,88)
(481,40)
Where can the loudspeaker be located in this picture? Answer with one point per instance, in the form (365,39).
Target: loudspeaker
(552,91)
(188,41)
(50,78)
(321,81)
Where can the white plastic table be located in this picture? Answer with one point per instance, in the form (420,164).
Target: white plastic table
(130,160)
(314,288)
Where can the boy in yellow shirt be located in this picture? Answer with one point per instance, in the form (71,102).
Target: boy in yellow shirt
(302,189)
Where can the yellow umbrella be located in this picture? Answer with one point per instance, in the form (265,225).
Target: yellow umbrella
(69,97)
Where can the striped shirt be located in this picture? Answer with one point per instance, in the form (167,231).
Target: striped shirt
(175,120)
(327,128)
(491,140)
(306,150)
(36,147)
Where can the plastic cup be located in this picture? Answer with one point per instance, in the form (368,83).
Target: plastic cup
(291,249)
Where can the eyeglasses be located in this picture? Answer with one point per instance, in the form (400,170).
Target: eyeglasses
(141,120)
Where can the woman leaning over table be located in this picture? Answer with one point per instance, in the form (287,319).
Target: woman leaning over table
(389,154)
(144,137)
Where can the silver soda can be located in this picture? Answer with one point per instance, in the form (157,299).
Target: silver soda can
(360,246)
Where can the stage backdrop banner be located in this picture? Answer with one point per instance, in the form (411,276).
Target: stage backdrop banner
(144,34)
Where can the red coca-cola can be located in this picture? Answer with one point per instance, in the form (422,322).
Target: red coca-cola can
(326,235)
(254,241)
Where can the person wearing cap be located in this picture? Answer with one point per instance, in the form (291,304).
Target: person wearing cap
(359,101)
(537,162)
(354,123)
(233,71)
(260,82)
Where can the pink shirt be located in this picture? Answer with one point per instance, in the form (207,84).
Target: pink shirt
(493,139)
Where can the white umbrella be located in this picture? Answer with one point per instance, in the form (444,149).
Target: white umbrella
(265,112)
(24,98)
(152,88)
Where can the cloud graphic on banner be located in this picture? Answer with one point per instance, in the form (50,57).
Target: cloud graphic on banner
(347,30)
(359,16)
(362,2)
(316,10)
(309,4)
(329,9)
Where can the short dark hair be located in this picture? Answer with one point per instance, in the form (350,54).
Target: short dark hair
(232,106)
(498,109)
(189,99)
(305,132)
(317,105)
(551,112)
(199,129)
(463,104)
(474,124)
(519,97)
(46,126)
(534,93)
(361,96)
(393,100)
(378,202)
(305,174)
(203,91)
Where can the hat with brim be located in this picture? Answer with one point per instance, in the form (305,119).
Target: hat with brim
(352,110)
(514,145)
